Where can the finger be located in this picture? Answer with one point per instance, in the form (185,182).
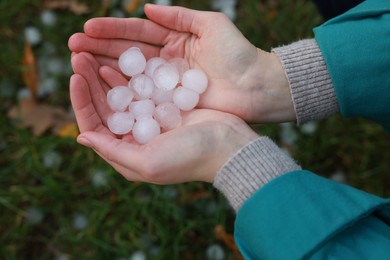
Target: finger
(130,159)
(103,61)
(115,151)
(107,61)
(179,18)
(80,42)
(86,115)
(126,173)
(127,28)
(82,66)
(112,77)
(95,65)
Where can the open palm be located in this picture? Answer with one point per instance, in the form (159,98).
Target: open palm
(208,40)
(192,152)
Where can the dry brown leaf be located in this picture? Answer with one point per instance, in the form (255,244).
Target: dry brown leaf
(29,69)
(67,129)
(133,6)
(39,117)
(113,198)
(195,196)
(79,8)
(105,7)
(228,239)
(72,5)
(271,15)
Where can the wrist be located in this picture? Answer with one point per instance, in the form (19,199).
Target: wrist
(238,134)
(270,95)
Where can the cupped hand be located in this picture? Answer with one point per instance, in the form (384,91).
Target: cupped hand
(192,152)
(243,80)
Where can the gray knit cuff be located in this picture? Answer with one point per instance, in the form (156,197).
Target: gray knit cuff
(250,168)
(311,87)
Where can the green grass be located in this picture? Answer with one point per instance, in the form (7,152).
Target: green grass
(172,222)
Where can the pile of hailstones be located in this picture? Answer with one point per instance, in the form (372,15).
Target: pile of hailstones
(156,94)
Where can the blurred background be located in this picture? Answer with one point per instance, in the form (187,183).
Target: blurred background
(59,201)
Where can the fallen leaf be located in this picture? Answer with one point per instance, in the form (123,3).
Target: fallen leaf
(79,8)
(113,198)
(39,117)
(72,5)
(105,6)
(195,196)
(67,130)
(29,69)
(228,239)
(133,6)
(271,15)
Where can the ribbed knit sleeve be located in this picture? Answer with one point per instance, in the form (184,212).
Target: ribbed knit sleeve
(254,165)
(261,161)
(311,87)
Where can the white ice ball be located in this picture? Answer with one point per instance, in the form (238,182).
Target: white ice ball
(167,115)
(215,252)
(138,255)
(34,216)
(48,86)
(162,96)
(48,17)
(132,62)
(142,108)
(99,179)
(142,85)
(152,64)
(33,35)
(55,65)
(185,99)
(80,221)
(166,76)
(181,66)
(195,79)
(120,123)
(119,98)
(163,2)
(145,130)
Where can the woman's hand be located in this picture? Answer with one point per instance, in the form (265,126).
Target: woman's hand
(192,152)
(243,80)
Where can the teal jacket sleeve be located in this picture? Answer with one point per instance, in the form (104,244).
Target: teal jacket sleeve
(304,216)
(356,49)
(300,215)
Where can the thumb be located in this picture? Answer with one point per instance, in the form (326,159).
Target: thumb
(84,140)
(109,147)
(178,18)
